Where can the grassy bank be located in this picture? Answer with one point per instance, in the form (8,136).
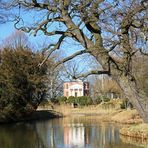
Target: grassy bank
(127,117)
(140,142)
(137,131)
(107,111)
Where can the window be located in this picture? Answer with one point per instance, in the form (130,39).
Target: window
(66,86)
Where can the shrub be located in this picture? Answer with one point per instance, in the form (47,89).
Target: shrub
(71,100)
(126,104)
(106,99)
(54,100)
(22,82)
(84,101)
(102,99)
(62,100)
(81,101)
(98,100)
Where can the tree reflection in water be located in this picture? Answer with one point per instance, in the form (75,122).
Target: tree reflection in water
(19,136)
(74,132)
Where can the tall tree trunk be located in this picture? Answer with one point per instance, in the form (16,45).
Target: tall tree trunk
(136,96)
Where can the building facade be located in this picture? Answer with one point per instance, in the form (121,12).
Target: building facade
(76,88)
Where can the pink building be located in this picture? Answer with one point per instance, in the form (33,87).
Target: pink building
(76,88)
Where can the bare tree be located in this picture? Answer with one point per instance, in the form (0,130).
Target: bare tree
(3,18)
(140,70)
(55,82)
(74,68)
(16,40)
(111,31)
(106,87)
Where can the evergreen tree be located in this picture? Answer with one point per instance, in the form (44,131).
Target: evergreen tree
(22,82)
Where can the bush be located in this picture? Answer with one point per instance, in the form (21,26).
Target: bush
(62,100)
(54,100)
(84,101)
(22,82)
(126,104)
(98,100)
(81,101)
(71,100)
(101,99)
(106,99)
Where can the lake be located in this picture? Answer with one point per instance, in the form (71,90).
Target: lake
(68,132)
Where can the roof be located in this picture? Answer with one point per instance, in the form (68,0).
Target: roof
(78,80)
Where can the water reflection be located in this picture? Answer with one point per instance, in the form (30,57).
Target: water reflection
(79,132)
(74,135)
(19,136)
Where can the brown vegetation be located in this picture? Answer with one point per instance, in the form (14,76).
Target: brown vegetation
(106,111)
(137,131)
(127,117)
(134,141)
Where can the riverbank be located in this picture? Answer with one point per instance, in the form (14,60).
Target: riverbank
(110,114)
(36,116)
(43,115)
(136,131)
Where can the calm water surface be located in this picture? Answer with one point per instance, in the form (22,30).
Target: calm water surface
(69,132)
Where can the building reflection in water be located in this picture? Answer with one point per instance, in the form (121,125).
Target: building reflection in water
(69,133)
(74,135)
(78,135)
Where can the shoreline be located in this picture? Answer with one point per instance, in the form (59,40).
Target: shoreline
(38,115)
(136,131)
(128,117)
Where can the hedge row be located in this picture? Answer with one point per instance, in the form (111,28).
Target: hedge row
(80,101)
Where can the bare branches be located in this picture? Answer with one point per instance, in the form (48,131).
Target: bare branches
(127,22)
(71,57)
(144,53)
(55,47)
(93,72)
(43,26)
(110,28)
(35,4)
(25,29)
(74,29)
(3,18)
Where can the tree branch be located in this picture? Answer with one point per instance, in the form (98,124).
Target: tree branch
(71,57)
(35,4)
(93,72)
(55,47)
(142,52)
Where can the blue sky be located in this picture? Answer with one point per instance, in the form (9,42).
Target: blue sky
(67,48)
(5,30)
